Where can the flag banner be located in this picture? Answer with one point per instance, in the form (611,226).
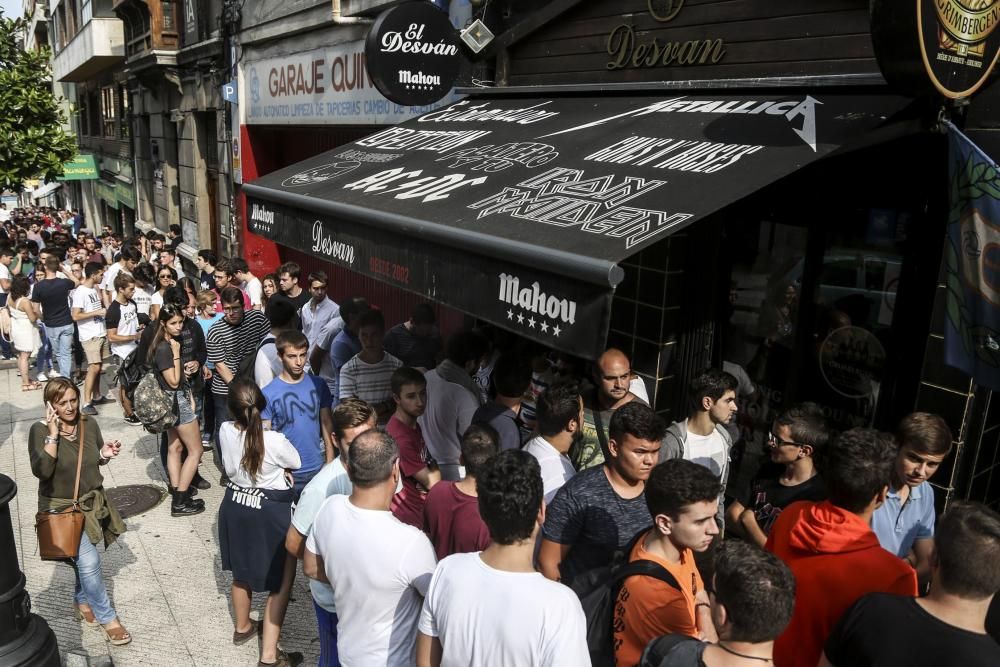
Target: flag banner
(972,262)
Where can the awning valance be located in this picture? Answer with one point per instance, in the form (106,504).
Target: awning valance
(519,210)
(45,190)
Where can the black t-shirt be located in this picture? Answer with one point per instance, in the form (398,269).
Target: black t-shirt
(883,630)
(207,280)
(413,350)
(298,301)
(53,294)
(164,360)
(768,497)
(674,651)
(587,514)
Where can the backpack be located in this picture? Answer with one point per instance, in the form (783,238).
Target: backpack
(245,371)
(130,373)
(598,592)
(155,408)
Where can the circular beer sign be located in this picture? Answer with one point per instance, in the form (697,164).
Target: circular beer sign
(959,43)
(412,53)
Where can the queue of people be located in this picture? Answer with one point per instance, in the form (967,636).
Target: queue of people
(479,502)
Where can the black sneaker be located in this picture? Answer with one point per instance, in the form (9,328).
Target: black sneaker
(187,508)
(199,482)
(103,400)
(132,419)
(89,409)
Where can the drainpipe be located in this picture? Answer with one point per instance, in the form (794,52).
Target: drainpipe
(340,19)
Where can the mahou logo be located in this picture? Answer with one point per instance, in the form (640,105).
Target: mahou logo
(262,218)
(534,300)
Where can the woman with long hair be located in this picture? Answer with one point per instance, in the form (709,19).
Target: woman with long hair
(164,354)
(166,278)
(269,287)
(254,517)
(53,446)
(22,329)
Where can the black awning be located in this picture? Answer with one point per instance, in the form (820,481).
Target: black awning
(519,210)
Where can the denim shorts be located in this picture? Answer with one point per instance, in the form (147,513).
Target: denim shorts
(185,413)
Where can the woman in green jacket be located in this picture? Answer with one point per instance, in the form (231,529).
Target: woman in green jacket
(53,447)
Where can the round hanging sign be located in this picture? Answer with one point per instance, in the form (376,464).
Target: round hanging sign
(949,46)
(412,54)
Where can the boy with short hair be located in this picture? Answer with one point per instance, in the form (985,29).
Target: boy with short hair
(417,468)
(904,523)
(122,322)
(367,375)
(88,312)
(798,436)
(681,497)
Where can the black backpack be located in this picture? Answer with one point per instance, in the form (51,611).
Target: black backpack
(598,592)
(245,370)
(130,373)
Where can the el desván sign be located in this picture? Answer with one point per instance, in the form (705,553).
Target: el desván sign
(412,53)
(944,46)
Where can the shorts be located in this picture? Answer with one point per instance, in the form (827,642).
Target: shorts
(185,413)
(94,349)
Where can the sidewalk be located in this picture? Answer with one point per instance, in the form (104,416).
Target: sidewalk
(163,575)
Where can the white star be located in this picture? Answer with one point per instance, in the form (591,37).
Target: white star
(556,330)
(520,318)
(544,326)
(510,314)
(531,322)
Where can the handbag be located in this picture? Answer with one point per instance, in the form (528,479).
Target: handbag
(59,531)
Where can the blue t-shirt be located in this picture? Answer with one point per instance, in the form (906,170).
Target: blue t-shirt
(294,411)
(898,525)
(342,349)
(205,326)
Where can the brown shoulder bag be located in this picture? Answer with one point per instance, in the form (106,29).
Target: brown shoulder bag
(59,531)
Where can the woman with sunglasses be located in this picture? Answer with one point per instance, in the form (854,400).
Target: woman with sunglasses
(166,278)
(53,446)
(164,355)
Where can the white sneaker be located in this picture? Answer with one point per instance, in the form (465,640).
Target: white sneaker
(42,377)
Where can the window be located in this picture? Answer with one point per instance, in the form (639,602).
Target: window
(83,127)
(109,119)
(124,131)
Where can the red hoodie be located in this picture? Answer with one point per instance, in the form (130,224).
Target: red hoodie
(836,558)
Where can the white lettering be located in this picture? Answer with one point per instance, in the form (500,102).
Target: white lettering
(534,300)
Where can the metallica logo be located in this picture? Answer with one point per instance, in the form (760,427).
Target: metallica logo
(791,110)
(534,300)
(563,197)
(319,174)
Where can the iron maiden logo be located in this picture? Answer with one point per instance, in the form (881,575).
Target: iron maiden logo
(534,300)
(563,197)
(791,110)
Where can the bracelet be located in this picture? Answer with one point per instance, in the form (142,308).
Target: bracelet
(51,440)
(702,604)
(177,358)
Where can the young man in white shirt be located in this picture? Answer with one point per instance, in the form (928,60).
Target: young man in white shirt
(126,263)
(560,427)
(703,437)
(350,419)
(250,282)
(379,567)
(319,309)
(88,312)
(466,617)
(123,332)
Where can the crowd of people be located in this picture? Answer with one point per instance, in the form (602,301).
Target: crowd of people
(478,500)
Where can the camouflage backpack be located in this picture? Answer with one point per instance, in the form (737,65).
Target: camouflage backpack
(155,408)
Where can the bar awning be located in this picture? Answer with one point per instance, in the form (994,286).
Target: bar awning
(518,210)
(45,190)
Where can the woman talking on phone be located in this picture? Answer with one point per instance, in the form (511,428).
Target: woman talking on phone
(164,354)
(54,445)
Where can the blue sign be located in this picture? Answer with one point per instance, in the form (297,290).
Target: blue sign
(229,93)
(972,253)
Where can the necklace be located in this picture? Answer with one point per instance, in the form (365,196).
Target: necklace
(741,655)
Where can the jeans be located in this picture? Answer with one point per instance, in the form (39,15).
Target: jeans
(221,405)
(90,588)
(327,621)
(43,362)
(61,340)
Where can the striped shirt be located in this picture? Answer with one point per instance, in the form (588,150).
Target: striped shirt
(230,345)
(369,382)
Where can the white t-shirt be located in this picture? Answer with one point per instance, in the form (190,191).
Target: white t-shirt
(279,454)
(267,365)
(143,298)
(125,321)
(379,569)
(156,299)
(108,281)
(87,300)
(4,275)
(449,411)
(469,608)
(707,450)
(254,290)
(556,468)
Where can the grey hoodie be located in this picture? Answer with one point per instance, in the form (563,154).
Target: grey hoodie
(674,446)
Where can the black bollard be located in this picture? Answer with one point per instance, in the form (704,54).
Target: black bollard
(25,638)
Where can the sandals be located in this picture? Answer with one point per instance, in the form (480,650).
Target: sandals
(31,386)
(117,636)
(87,616)
(284,660)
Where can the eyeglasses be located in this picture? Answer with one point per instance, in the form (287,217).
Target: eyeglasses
(775,441)
(166,276)
(232,309)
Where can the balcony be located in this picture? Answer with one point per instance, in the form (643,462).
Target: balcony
(152,32)
(98,46)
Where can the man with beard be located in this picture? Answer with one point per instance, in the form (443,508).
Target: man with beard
(560,425)
(612,376)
